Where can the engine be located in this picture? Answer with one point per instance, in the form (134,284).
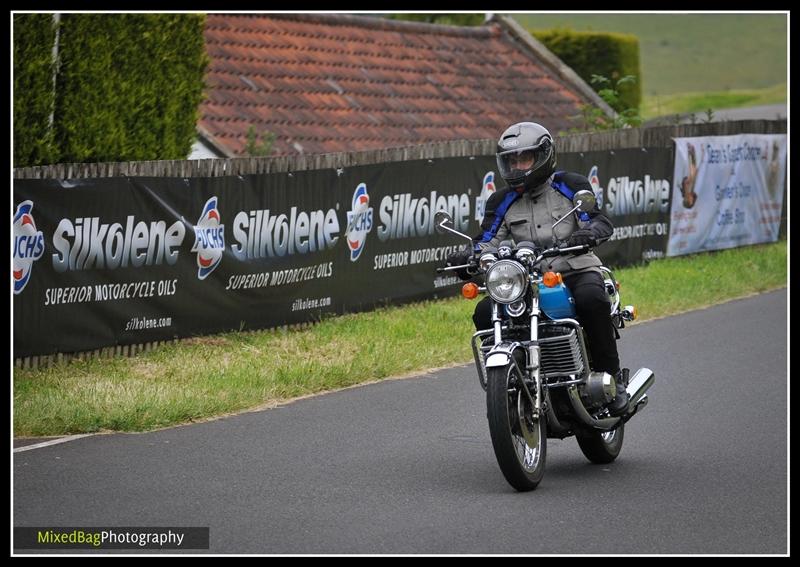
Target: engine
(599,390)
(563,357)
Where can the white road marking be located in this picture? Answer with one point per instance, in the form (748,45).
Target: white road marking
(52,442)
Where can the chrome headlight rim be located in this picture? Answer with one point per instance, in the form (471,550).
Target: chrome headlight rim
(521,274)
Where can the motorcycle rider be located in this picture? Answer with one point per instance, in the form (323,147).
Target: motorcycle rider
(536,196)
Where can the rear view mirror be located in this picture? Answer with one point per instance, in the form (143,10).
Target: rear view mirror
(584,200)
(442,221)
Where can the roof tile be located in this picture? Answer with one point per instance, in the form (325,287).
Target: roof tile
(330,83)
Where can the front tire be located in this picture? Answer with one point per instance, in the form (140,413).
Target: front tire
(602,447)
(519,441)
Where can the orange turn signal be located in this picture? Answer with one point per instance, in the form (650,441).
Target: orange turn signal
(552,279)
(469,290)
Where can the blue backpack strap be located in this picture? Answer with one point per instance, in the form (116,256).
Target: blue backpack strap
(500,213)
(565,190)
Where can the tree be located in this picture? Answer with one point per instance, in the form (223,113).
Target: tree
(254,148)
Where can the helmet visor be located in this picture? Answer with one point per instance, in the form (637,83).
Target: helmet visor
(517,163)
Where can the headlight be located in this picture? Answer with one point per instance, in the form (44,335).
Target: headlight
(506,281)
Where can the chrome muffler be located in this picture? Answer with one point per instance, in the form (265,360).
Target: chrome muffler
(639,384)
(637,390)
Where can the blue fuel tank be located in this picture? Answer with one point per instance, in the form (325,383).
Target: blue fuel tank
(556,302)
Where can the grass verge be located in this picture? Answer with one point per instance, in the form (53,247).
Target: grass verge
(654,106)
(222,374)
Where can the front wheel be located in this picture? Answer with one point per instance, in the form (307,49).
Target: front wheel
(519,440)
(602,447)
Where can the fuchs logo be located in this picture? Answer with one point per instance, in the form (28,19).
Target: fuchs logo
(486,191)
(28,245)
(209,241)
(359,222)
(598,191)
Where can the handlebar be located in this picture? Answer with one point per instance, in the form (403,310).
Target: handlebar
(556,251)
(547,253)
(454,268)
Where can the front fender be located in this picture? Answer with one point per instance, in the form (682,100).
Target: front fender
(501,355)
(497,359)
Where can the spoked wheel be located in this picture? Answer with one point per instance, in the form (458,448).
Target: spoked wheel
(602,447)
(519,440)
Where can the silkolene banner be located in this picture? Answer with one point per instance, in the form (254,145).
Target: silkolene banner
(632,187)
(115,261)
(728,192)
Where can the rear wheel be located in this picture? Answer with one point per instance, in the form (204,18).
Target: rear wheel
(519,440)
(602,447)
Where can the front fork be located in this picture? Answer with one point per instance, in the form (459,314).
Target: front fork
(532,367)
(533,357)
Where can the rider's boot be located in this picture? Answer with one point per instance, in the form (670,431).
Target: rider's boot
(620,404)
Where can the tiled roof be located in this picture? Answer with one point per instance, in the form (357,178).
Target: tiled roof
(327,83)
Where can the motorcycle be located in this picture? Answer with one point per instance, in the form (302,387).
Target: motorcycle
(534,364)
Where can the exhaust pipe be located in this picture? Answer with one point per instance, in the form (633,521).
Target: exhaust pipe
(637,388)
(639,384)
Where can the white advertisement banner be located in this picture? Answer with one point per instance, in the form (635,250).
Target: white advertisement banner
(728,191)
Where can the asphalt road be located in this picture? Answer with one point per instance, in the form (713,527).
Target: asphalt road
(406,466)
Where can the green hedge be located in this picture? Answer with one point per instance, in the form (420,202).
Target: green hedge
(34,35)
(612,55)
(128,87)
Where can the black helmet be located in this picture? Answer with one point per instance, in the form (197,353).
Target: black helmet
(526,155)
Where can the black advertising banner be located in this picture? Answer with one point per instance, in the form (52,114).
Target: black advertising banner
(633,189)
(115,261)
(129,260)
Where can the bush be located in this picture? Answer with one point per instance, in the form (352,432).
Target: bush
(128,88)
(595,119)
(612,55)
